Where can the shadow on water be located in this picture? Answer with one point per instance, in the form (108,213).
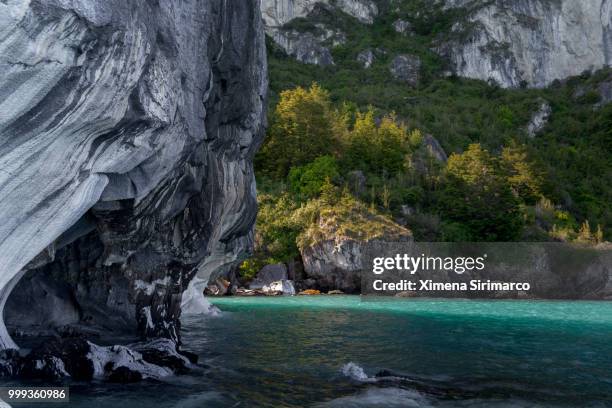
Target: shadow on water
(338,351)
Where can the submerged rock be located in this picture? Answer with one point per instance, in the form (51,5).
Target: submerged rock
(127,133)
(165,353)
(82,360)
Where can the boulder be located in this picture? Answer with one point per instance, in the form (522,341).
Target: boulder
(165,353)
(219,287)
(282,287)
(83,361)
(269,274)
(406,68)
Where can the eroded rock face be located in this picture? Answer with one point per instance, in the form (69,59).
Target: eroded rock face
(532,42)
(304,47)
(337,264)
(127,131)
(276,13)
(334,265)
(539,119)
(311,47)
(406,68)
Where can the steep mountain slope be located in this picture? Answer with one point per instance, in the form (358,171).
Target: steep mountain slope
(514,43)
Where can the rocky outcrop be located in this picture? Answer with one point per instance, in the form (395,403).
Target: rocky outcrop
(406,68)
(539,119)
(434,148)
(313,46)
(304,47)
(277,13)
(369,56)
(282,287)
(402,26)
(605,93)
(127,132)
(82,360)
(530,42)
(366,58)
(363,10)
(269,274)
(334,265)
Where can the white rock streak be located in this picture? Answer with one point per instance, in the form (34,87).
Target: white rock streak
(51,172)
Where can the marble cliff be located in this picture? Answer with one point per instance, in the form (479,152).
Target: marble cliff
(512,42)
(127,132)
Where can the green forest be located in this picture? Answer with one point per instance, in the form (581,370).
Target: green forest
(351,148)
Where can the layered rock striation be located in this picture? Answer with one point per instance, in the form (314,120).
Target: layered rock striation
(127,132)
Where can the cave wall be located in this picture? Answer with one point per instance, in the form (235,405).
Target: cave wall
(127,133)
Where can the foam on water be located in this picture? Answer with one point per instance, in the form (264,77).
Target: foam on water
(380,397)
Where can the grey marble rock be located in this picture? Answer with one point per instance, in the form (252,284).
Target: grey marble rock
(304,47)
(532,42)
(539,119)
(127,133)
(269,274)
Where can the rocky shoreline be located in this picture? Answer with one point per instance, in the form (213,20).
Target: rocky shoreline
(78,359)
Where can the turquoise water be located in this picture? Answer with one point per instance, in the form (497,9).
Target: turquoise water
(325,351)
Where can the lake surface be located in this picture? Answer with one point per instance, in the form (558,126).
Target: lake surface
(325,351)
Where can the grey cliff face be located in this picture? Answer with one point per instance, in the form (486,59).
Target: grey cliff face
(276,13)
(309,47)
(530,42)
(304,47)
(335,265)
(127,132)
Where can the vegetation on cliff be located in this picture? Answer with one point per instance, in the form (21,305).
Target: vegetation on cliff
(368,136)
